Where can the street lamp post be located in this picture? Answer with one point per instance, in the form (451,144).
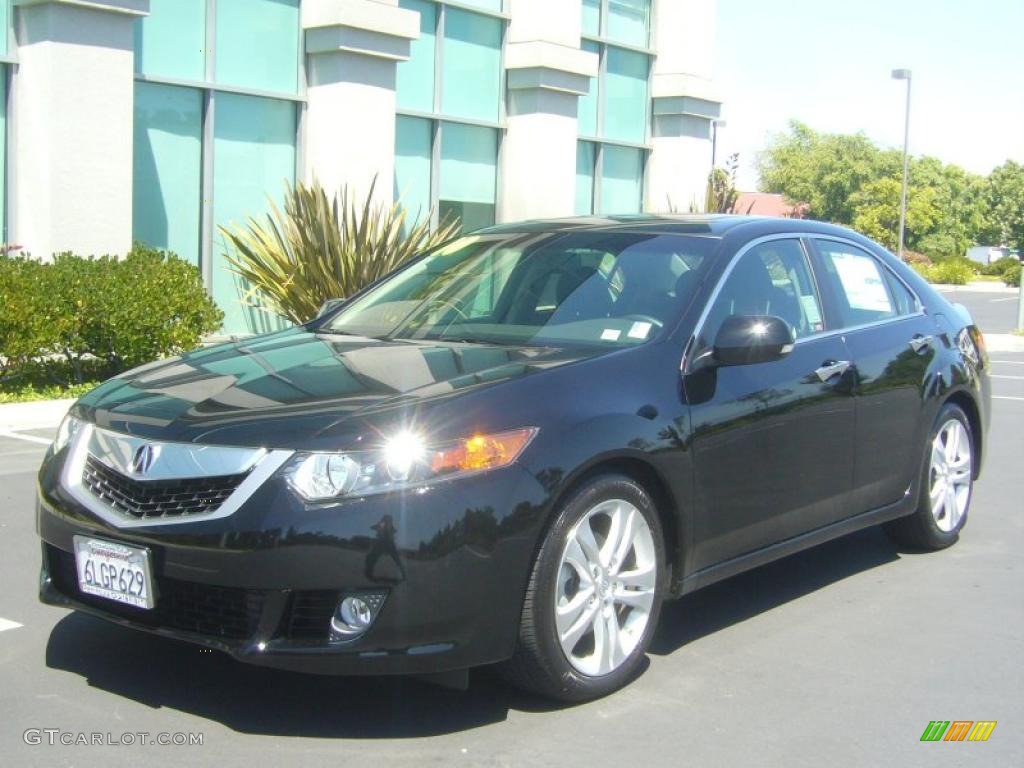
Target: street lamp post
(904,74)
(715,125)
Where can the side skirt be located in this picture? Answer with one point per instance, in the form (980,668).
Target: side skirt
(736,565)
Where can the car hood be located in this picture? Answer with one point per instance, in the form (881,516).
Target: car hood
(296,387)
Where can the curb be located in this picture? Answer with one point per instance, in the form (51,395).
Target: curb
(1003,342)
(983,287)
(40,414)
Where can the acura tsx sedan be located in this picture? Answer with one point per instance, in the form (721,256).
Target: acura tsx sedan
(515,447)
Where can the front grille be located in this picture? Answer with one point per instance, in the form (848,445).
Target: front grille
(157,499)
(228,613)
(309,614)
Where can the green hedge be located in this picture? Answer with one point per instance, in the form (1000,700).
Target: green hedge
(101,315)
(957,271)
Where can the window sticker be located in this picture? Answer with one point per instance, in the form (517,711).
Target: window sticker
(610,334)
(862,283)
(639,330)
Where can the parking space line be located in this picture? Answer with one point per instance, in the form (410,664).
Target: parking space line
(1007,397)
(5,625)
(1004,376)
(1007,362)
(1010,298)
(28,438)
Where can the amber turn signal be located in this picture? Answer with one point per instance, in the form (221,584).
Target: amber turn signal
(482,452)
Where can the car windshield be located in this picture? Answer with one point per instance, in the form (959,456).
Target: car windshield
(611,289)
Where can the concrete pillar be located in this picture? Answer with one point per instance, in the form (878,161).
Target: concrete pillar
(685,103)
(71,126)
(353,48)
(547,73)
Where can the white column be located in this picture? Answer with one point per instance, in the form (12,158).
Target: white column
(547,73)
(685,103)
(71,126)
(353,49)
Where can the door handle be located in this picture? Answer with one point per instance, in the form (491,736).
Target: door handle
(919,342)
(832,368)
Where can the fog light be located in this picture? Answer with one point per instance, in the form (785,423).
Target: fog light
(355,614)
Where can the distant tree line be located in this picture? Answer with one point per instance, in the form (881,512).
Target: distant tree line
(848,179)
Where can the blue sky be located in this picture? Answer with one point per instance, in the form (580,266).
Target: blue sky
(828,63)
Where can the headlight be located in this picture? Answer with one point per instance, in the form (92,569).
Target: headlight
(67,429)
(403,461)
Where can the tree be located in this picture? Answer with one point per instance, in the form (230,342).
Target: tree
(1005,197)
(847,179)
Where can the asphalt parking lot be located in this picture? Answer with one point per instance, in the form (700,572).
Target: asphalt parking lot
(840,655)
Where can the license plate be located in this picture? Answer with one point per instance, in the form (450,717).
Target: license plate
(114,571)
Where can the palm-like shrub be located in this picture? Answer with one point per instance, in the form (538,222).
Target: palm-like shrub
(318,249)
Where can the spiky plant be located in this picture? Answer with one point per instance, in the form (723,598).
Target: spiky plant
(318,249)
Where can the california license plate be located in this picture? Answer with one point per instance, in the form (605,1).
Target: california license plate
(114,571)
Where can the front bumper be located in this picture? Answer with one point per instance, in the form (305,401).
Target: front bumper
(263,583)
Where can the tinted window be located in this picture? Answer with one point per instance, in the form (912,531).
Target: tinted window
(861,290)
(772,278)
(906,302)
(613,289)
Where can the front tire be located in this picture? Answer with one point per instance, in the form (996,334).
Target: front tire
(947,484)
(594,595)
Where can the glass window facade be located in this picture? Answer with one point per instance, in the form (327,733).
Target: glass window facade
(586,156)
(629,22)
(415,77)
(622,174)
(472,65)
(168,168)
(257,44)
(205,157)
(448,130)
(468,174)
(414,141)
(615,113)
(625,95)
(253,157)
(3,154)
(171,41)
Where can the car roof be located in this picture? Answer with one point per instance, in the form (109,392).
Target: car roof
(707,225)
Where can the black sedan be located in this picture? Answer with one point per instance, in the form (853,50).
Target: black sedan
(514,448)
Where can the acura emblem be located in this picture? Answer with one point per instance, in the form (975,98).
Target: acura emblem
(142,460)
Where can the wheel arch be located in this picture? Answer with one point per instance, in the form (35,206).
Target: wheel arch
(650,479)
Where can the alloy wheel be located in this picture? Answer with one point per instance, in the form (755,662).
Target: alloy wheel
(606,587)
(949,476)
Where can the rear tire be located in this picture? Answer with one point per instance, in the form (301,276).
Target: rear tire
(594,595)
(946,486)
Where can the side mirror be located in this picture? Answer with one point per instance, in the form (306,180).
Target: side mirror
(748,339)
(329,305)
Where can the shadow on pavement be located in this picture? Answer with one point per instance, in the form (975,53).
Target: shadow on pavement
(159,672)
(741,597)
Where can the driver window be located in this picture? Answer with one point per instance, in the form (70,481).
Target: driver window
(772,278)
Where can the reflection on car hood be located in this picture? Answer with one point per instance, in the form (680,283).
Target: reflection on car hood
(285,388)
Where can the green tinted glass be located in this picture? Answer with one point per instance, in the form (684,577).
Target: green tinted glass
(586,108)
(622,173)
(625,106)
(469,156)
(170,41)
(490,5)
(167,167)
(258,44)
(585,152)
(254,155)
(5,20)
(413,142)
(415,78)
(472,64)
(3,155)
(592,17)
(628,21)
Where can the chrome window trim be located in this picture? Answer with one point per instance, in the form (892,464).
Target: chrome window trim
(263,465)
(800,236)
